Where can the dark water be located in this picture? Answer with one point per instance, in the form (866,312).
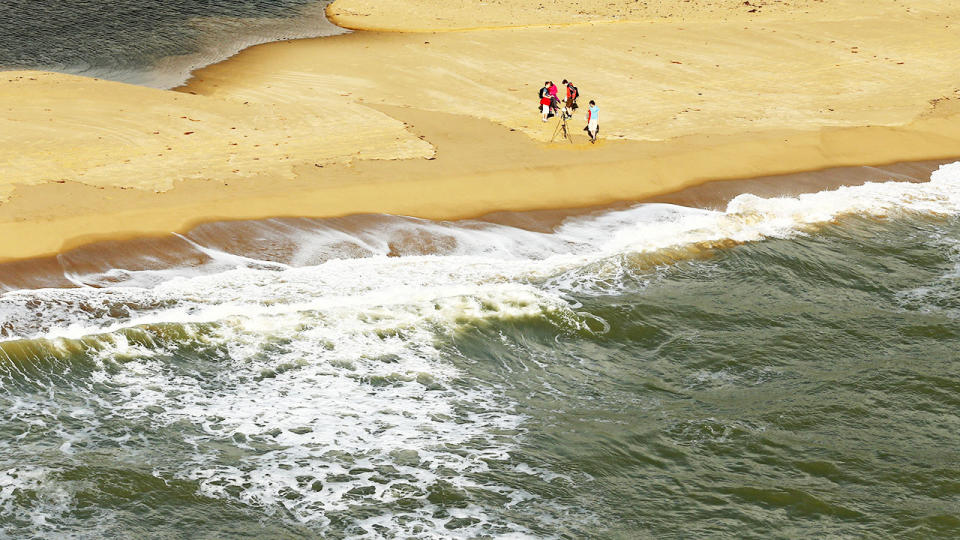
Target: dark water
(787,368)
(149,42)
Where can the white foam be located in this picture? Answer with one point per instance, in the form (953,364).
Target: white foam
(314,370)
(51,500)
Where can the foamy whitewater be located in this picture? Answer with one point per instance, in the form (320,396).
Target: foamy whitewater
(465,379)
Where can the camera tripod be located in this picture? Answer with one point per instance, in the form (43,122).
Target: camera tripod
(562,126)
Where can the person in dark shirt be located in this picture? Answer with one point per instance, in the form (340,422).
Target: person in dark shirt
(572,94)
(545,91)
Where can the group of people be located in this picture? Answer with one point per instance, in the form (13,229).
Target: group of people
(550,106)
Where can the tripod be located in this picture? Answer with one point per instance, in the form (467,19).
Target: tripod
(562,126)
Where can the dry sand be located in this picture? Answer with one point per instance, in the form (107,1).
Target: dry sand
(443,124)
(443,15)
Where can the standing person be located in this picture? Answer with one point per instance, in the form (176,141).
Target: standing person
(545,91)
(545,107)
(593,121)
(554,100)
(543,94)
(544,97)
(572,94)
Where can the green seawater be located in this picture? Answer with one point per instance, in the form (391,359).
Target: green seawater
(801,386)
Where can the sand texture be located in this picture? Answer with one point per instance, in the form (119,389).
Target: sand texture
(443,124)
(67,128)
(442,15)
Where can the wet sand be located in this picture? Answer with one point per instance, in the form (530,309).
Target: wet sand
(442,125)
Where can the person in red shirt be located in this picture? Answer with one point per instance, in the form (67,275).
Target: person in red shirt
(545,103)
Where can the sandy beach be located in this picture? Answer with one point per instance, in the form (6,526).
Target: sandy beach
(434,116)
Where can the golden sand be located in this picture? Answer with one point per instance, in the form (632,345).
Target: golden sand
(443,124)
(445,15)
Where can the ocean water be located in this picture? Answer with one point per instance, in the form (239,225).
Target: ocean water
(784,367)
(147,42)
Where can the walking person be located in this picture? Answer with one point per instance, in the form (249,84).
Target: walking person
(593,122)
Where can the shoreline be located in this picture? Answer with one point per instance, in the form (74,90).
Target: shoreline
(158,252)
(213,39)
(326,127)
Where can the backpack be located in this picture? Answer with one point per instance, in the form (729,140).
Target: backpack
(576,94)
